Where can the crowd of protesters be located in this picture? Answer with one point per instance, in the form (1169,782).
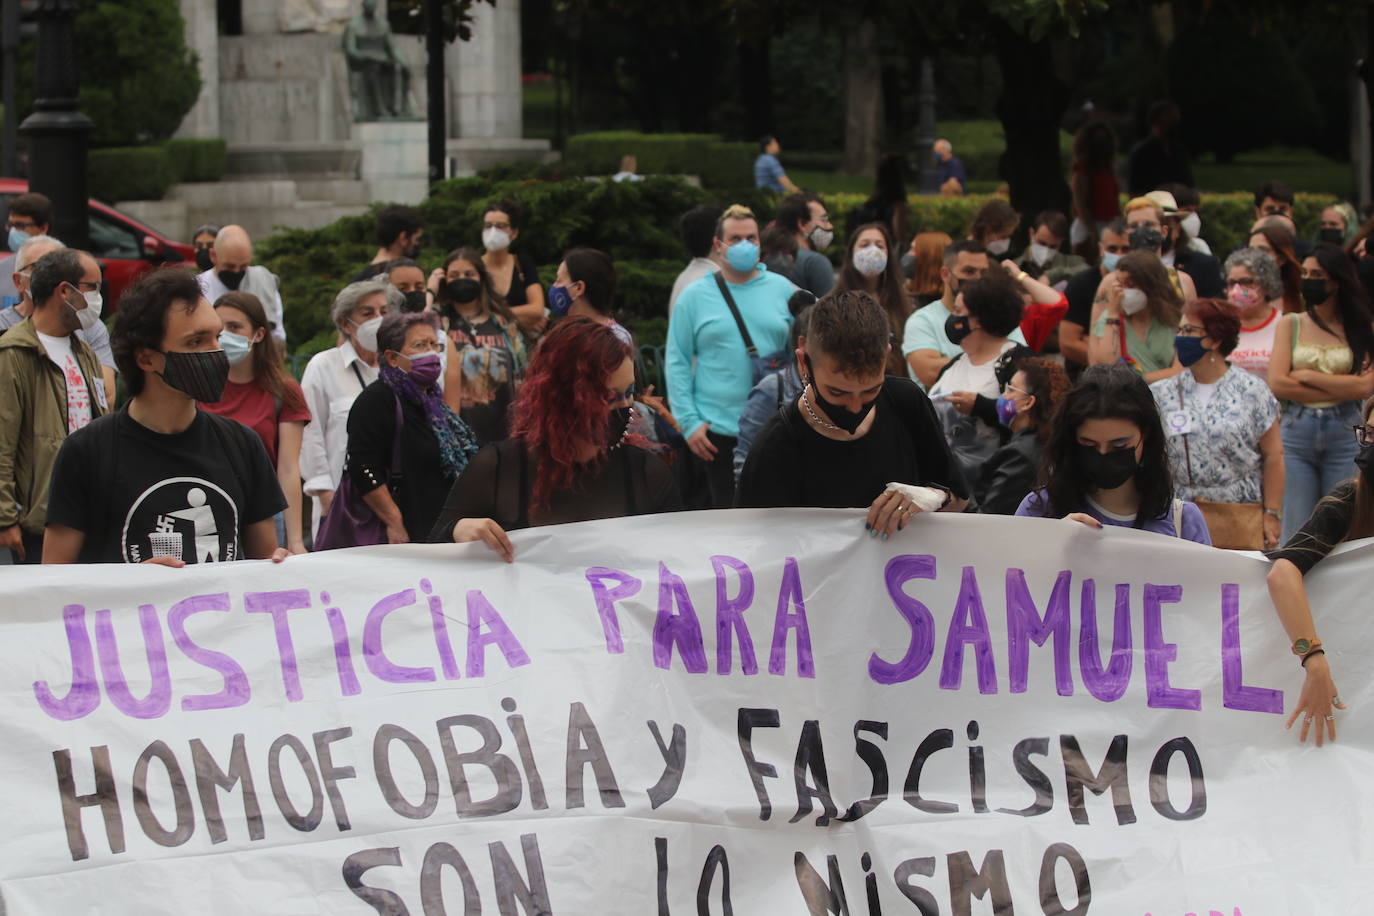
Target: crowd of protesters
(1134,380)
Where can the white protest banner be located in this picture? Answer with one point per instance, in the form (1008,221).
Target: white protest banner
(728,712)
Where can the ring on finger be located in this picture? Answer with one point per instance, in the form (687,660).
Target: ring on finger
(1336,701)
(1331,718)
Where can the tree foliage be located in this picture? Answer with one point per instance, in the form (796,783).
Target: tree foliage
(138,79)
(408,17)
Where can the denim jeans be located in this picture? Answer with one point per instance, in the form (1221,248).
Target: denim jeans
(1319,450)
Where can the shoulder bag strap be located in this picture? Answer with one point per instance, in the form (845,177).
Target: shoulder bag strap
(358,375)
(395,472)
(1178,518)
(749,347)
(1187,453)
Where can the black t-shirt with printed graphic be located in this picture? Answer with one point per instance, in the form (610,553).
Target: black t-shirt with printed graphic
(137,494)
(488,376)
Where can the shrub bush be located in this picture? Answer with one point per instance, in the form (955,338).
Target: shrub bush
(635,222)
(195,159)
(1227,218)
(129,173)
(719,164)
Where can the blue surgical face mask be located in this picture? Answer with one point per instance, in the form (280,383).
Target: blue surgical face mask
(560,300)
(17,237)
(743,255)
(236,346)
(1190,350)
(1006,410)
(1109,260)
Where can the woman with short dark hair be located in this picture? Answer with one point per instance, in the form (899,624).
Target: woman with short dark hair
(405,445)
(986,311)
(1222,428)
(1105,461)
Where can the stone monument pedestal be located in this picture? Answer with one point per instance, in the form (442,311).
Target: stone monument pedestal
(394,159)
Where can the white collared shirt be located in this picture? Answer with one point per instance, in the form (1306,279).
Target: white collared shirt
(332,380)
(259,281)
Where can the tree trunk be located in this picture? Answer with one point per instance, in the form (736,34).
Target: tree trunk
(1030,108)
(756,86)
(863,99)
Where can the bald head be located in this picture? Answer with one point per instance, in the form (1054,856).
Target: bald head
(943,149)
(26,257)
(233,249)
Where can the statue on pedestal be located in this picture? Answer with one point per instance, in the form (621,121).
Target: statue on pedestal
(378,79)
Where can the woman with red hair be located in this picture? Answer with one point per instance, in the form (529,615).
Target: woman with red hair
(570,456)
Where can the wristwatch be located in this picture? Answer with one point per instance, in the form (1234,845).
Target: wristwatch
(1305,646)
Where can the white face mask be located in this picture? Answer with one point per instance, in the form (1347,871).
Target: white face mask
(870,260)
(1133,300)
(365,334)
(1192,224)
(90,315)
(998,247)
(495,239)
(1041,254)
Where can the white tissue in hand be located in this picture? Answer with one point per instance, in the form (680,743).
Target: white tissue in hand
(928,499)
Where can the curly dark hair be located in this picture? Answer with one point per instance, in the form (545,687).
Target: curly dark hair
(1047,382)
(142,319)
(1112,391)
(850,327)
(995,300)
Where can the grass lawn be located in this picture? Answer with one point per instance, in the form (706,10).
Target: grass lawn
(1303,169)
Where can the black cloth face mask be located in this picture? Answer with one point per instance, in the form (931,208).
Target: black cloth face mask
(957,328)
(617,426)
(415,301)
(846,419)
(232,279)
(1109,471)
(200,374)
(1365,462)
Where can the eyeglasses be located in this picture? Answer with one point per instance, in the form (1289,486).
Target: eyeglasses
(1245,282)
(615,397)
(25,225)
(1010,387)
(502,226)
(422,348)
(1191,330)
(1364,434)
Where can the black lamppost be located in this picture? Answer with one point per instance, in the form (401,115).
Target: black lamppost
(57,132)
(434,84)
(925,130)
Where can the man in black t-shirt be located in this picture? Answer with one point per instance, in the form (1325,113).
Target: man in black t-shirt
(162,481)
(852,431)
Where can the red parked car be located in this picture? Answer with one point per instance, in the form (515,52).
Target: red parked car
(125,248)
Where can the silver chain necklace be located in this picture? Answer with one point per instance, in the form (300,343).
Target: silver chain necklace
(811,412)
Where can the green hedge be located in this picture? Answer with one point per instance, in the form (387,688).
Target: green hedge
(129,173)
(719,164)
(196,159)
(635,222)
